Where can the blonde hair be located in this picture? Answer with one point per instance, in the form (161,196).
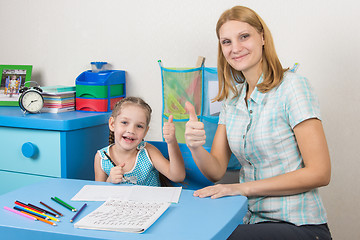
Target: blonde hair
(126,101)
(271,66)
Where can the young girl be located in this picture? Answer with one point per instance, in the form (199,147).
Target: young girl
(128,158)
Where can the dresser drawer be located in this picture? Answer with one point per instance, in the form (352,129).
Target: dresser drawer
(10,181)
(30,151)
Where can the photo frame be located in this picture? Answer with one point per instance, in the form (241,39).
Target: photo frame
(13,77)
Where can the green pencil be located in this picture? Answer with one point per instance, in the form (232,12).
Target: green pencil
(61,202)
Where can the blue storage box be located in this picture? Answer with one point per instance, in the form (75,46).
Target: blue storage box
(99,86)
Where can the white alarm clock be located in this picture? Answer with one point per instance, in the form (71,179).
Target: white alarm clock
(31,99)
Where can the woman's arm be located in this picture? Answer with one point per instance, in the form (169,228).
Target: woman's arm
(316,172)
(213,165)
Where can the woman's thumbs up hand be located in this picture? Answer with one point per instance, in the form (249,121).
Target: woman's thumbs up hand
(194,130)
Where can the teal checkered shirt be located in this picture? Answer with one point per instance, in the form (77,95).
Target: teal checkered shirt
(261,136)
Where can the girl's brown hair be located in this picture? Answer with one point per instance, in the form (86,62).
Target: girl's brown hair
(125,101)
(271,66)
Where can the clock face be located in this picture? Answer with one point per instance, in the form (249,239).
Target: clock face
(32,101)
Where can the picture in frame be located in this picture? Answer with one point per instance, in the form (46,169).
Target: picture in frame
(13,77)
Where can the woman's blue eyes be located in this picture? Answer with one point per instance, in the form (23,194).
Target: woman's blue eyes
(244,36)
(225,42)
(241,38)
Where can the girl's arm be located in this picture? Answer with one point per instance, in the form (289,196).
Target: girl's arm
(315,173)
(175,168)
(100,175)
(213,165)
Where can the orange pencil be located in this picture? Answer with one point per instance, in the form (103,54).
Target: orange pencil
(40,219)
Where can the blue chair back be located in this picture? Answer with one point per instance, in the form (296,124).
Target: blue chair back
(194,178)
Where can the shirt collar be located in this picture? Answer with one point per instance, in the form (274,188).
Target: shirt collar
(256,95)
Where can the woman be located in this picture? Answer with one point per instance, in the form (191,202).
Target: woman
(271,121)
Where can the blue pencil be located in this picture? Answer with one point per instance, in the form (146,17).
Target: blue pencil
(31,212)
(78,212)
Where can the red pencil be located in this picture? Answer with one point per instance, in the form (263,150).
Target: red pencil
(26,206)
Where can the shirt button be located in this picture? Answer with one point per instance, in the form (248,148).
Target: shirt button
(251,111)
(243,136)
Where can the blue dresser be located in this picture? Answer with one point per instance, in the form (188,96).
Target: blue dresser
(34,147)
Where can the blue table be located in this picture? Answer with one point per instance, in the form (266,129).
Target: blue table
(38,146)
(191,218)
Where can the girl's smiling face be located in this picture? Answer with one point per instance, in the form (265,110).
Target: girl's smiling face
(129,127)
(241,46)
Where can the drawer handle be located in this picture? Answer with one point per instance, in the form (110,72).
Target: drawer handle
(29,149)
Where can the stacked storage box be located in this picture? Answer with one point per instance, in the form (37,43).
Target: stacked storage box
(99,91)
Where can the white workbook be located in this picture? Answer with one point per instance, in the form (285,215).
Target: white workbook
(123,216)
(126,192)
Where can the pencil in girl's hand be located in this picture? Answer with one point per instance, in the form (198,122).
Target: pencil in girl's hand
(64,204)
(51,208)
(107,155)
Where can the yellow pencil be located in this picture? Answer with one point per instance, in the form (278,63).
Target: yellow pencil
(42,214)
(39,218)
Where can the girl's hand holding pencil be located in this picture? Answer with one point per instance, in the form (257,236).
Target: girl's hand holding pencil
(117,174)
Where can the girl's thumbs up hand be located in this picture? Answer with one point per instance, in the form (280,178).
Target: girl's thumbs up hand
(169,130)
(194,130)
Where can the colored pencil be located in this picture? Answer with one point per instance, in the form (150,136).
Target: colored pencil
(43,220)
(27,210)
(30,209)
(34,210)
(47,217)
(78,212)
(21,204)
(109,159)
(61,202)
(20,213)
(52,218)
(51,208)
(43,210)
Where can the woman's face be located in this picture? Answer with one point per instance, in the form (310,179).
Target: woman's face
(242,46)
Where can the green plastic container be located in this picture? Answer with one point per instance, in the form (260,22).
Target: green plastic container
(94,91)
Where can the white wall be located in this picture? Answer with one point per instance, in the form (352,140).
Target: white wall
(61,38)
